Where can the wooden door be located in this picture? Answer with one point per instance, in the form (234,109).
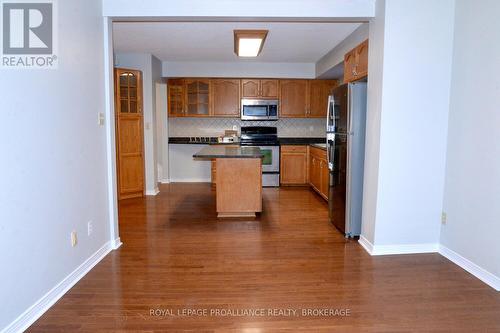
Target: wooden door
(250,88)
(176,97)
(269,88)
(319,90)
(198,98)
(362,60)
(129,133)
(225,97)
(293,98)
(293,165)
(349,64)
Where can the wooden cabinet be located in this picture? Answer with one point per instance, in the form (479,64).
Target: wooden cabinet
(191,97)
(305,98)
(129,133)
(255,88)
(225,97)
(319,176)
(319,90)
(356,63)
(294,98)
(197,97)
(293,170)
(176,90)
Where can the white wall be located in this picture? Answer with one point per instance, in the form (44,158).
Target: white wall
(336,55)
(471,197)
(54,175)
(182,166)
(162,131)
(238,69)
(319,9)
(151,73)
(414,88)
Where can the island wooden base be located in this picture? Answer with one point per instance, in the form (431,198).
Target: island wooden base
(238,187)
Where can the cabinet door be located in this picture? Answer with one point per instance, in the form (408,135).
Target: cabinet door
(319,90)
(293,98)
(314,172)
(176,98)
(225,97)
(249,88)
(349,64)
(269,88)
(293,165)
(362,60)
(198,98)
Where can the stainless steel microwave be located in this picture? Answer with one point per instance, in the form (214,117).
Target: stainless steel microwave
(259,109)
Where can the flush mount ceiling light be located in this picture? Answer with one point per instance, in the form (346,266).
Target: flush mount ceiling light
(249,43)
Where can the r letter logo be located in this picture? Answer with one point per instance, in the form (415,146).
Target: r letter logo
(28,35)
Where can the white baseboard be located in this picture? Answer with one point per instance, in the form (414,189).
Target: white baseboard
(153,192)
(165,181)
(479,272)
(380,250)
(116,243)
(35,311)
(191,180)
(366,244)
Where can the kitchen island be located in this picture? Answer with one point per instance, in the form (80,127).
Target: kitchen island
(238,180)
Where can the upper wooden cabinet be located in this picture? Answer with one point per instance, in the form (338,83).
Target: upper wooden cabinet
(294,98)
(225,97)
(305,98)
(255,88)
(319,90)
(356,63)
(221,97)
(198,97)
(176,90)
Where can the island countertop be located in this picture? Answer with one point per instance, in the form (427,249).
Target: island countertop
(220,151)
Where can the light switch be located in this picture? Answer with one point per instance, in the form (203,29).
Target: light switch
(100,119)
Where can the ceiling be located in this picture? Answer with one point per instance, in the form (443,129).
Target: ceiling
(213,41)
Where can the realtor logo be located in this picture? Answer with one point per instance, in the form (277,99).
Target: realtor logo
(28,34)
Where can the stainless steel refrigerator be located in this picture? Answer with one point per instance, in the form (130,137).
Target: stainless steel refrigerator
(346,119)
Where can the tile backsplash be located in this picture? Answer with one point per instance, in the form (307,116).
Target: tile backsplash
(287,127)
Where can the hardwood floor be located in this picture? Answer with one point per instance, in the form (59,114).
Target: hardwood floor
(176,256)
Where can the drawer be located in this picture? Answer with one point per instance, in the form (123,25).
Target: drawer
(294,149)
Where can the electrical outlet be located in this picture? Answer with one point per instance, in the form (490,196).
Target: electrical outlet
(443,218)
(90,228)
(74,239)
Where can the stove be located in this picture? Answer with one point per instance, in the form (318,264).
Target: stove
(265,138)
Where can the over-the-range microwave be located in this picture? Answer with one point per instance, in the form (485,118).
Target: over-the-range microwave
(259,109)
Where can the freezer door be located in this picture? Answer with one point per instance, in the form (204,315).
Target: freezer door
(337,156)
(339,112)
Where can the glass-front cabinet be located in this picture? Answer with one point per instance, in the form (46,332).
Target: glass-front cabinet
(198,97)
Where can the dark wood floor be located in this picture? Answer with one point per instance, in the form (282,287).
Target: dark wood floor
(176,256)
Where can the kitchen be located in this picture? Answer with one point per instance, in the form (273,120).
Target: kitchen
(155,214)
(286,117)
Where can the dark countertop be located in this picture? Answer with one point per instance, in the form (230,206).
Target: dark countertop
(319,145)
(301,141)
(220,151)
(213,140)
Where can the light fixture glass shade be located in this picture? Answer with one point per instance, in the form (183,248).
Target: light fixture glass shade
(249,43)
(249,47)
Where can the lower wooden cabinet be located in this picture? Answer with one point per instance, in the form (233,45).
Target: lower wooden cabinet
(293,165)
(305,165)
(319,176)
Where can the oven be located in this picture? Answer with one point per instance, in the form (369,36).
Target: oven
(259,109)
(270,165)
